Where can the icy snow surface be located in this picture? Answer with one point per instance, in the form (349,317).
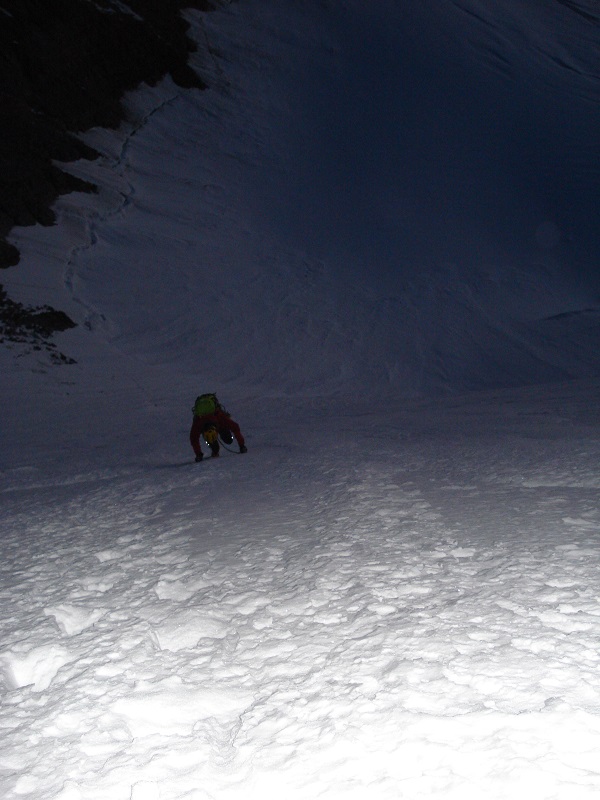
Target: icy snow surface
(366,604)
(394,593)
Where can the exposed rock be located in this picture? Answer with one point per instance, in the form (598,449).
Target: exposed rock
(32,326)
(64,69)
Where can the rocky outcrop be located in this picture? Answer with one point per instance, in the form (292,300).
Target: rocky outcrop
(64,68)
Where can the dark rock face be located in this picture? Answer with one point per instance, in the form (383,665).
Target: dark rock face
(64,67)
(32,327)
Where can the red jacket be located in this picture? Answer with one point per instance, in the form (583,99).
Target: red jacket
(223,422)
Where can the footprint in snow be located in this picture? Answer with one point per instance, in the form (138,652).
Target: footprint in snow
(73,619)
(36,668)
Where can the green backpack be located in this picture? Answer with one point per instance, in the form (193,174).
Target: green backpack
(205,404)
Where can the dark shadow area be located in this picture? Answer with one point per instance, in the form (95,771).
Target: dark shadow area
(64,67)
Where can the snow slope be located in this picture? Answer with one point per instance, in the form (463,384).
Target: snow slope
(367,604)
(394,592)
(411,192)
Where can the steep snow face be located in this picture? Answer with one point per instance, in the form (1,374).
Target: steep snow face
(378,599)
(397,604)
(421,150)
(402,197)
